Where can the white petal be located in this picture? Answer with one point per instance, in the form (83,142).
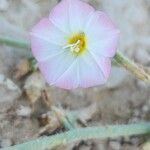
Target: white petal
(104,64)
(79,15)
(69,80)
(54,67)
(90,73)
(71,15)
(47,31)
(42,49)
(102,35)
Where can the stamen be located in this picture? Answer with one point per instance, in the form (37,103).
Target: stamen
(73,47)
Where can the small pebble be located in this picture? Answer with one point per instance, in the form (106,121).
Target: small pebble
(145,108)
(11,85)
(34,85)
(24,111)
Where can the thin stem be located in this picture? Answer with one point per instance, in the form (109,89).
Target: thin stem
(83,134)
(14,42)
(119,58)
(138,71)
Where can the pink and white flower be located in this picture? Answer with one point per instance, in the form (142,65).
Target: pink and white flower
(75,45)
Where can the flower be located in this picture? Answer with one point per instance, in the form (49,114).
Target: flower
(74,45)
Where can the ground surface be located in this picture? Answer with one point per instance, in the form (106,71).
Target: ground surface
(25,102)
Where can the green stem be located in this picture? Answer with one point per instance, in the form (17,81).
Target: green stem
(119,58)
(129,65)
(83,134)
(14,42)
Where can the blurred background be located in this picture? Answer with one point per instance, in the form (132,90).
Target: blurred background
(25,99)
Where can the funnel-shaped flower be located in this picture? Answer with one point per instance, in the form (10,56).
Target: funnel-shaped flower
(74,46)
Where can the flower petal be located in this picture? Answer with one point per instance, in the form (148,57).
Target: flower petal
(106,48)
(69,80)
(79,14)
(85,71)
(47,31)
(59,15)
(54,67)
(104,64)
(42,49)
(71,15)
(102,34)
(89,72)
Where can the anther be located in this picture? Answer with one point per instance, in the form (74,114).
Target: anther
(73,47)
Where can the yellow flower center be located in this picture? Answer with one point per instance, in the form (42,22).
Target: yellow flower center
(77,44)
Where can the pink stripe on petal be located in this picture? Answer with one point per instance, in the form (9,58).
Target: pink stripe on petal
(42,49)
(106,48)
(104,64)
(47,31)
(59,15)
(54,67)
(71,15)
(102,21)
(69,79)
(90,73)
(102,34)
(79,14)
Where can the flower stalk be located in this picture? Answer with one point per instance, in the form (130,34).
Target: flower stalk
(119,58)
(14,42)
(102,132)
(129,65)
